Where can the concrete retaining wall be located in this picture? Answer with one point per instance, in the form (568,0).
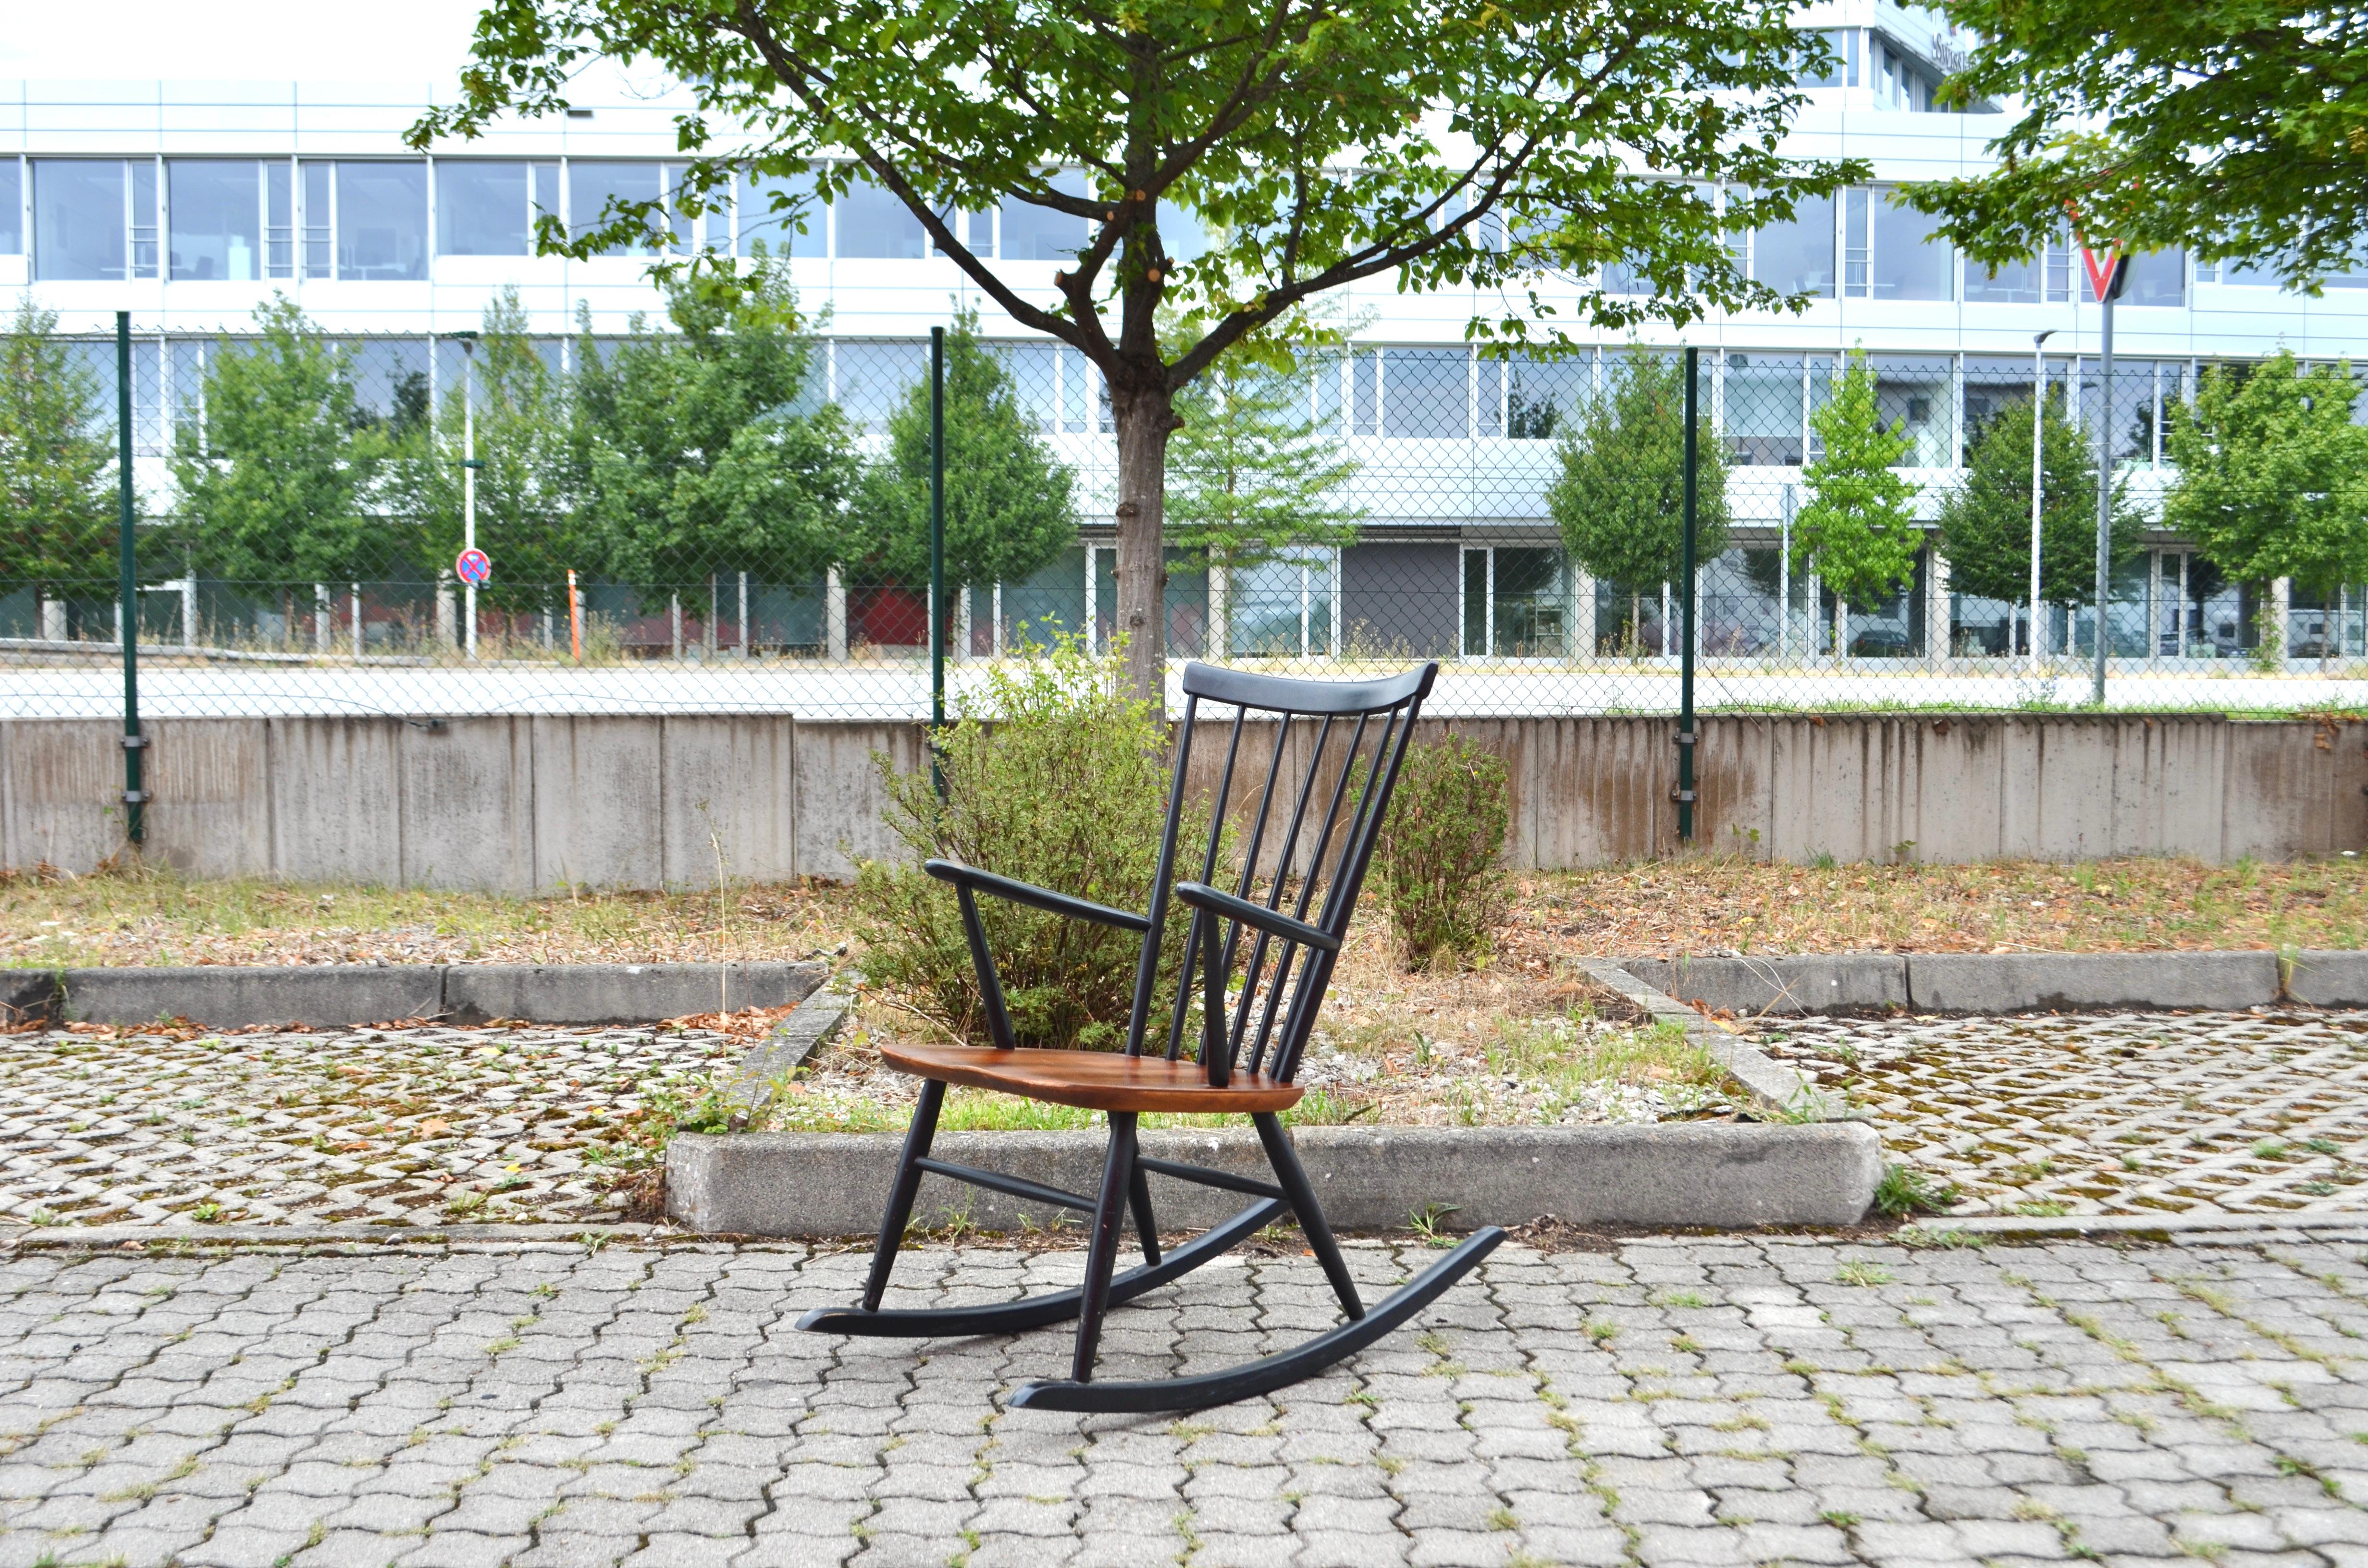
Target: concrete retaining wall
(1726,1175)
(527,803)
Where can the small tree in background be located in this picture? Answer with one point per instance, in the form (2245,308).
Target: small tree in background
(280,477)
(1010,502)
(1985,520)
(526,492)
(1620,498)
(57,483)
(1858,529)
(703,450)
(2273,476)
(1251,469)
(1441,852)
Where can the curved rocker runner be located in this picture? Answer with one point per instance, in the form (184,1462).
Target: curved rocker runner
(1255,1015)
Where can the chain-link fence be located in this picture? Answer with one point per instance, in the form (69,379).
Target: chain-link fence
(737,522)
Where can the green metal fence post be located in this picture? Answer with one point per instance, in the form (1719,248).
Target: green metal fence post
(1687,733)
(938,606)
(135,795)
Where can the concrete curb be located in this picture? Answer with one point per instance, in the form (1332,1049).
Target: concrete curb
(228,996)
(2007,982)
(2143,1224)
(788,1046)
(57,1238)
(1718,1174)
(1775,1088)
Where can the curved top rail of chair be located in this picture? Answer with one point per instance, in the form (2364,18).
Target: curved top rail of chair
(1284,694)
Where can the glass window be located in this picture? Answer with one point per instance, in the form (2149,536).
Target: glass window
(1426,393)
(776,227)
(1181,233)
(1033,369)
(278,219)
(12,206)
(2159,277)
(1762,420)
(79,218)
(481,208)
(594,185)
(1916,395)
(1910,262)
(2016,283)
(1827,75)
(1282,607)
(873,378)
(1797,257)
(1038,233)
(382,221)
(217,208)
(1530,605)
(1625,276)
(318,221)
(2240,274)
(873,224)
(1542,395)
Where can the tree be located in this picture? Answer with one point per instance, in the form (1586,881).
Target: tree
(704,451)
(1619,499)
(2234,127)
(1010,505)
(58,503)
(1985,520)
(1319,143)
(526,499)
(2274,475)
(279,470)
(1252,471)
(1859,527)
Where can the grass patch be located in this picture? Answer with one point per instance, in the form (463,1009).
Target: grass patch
(1903,1191)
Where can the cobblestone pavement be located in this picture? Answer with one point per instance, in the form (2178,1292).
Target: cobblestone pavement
(1676,1402)
(395,1126)
(2137,1113)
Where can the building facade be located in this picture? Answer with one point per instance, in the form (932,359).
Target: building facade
(191,205)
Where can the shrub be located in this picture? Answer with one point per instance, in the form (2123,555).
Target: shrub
(1438,857)
(1066,786)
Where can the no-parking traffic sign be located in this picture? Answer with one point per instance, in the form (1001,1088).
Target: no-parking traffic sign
(474,566)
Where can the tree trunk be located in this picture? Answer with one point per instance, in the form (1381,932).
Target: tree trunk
(1144,416)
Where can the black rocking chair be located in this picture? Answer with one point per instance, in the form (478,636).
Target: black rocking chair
(1244,1066)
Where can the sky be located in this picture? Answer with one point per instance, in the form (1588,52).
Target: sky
(237,39)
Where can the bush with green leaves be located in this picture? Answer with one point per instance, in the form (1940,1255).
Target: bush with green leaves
(1065,787)
(1437,868)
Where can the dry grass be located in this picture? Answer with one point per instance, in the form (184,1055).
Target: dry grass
(157,917)
(1727,905)
(1707,905)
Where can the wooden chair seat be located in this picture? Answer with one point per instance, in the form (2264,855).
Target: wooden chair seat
(1092,1080)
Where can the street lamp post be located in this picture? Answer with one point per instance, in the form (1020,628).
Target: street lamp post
(2038,475)
(469,466)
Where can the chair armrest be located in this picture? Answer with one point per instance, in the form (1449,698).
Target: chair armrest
(1200,895)
(1016,891)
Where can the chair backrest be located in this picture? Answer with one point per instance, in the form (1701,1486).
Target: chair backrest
(1332,756)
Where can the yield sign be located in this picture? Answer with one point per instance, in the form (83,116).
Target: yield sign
(2104,275)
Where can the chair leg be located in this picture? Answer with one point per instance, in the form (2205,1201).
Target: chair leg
(1145,1227)
(1101,1250)
(1296,1187)
(918,1138)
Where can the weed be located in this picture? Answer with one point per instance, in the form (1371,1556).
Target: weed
(1859,1272)
(1903,1191)
(1427,1221)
